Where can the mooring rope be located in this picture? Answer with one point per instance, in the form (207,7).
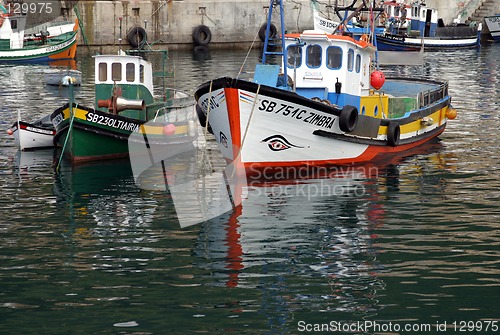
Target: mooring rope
(248,53)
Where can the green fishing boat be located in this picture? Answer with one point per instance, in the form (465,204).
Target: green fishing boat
(126,105)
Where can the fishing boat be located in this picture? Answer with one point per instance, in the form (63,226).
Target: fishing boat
(492,27)
(62,76)
(36,135)
(323,105)
(15,46)
(126,104)
(408,27)
(352,21)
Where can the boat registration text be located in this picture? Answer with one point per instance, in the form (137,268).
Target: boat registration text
(111,122)
(297,113)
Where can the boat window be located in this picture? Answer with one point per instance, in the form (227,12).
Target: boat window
(350,59)
(334,57)
(130,72)
(363,110)
(294,56)
(116,72)
(103,72)
(375,111)
(358,63)
(141,73)
(396,11)
(13,24)
(313,58)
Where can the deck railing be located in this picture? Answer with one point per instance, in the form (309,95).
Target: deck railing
(428,97)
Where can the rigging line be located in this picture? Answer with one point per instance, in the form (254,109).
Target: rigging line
(204,158)
(246,57)
(246,128)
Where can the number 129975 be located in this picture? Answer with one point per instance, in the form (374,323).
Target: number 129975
(29,8)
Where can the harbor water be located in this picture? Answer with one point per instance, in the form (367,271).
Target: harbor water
(410,246)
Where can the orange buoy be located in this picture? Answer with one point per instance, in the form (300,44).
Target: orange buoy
(169,129)
(377,79)
(451,113)
(9,131)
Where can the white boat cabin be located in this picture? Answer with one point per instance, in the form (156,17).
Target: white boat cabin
(396,13)
(124,70)
(332,67)
(424,20)
(12,31)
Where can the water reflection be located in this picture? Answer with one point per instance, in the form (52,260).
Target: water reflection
(419,244)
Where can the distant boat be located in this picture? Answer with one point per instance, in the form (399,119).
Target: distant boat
(16,46)
(36,135)
(61,77)
(492,27)
(424,27)
(357,26)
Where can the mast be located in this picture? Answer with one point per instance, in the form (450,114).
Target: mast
(272,4)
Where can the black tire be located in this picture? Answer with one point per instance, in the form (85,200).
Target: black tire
(393,134)
(273,32)
(137,36)
(348,118)
(202,35)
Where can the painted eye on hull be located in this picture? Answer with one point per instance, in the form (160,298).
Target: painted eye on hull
(223,139)
(278,143)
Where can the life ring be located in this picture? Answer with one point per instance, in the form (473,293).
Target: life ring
(393,134)
(348,118)
(273,31)
(364,38)
(137,36)
(202,35)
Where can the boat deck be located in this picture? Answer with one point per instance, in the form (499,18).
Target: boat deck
(407,88)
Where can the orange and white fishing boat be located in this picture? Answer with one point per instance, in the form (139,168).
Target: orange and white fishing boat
(325,104)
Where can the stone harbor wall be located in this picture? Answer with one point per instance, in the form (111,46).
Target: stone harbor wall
(181,23)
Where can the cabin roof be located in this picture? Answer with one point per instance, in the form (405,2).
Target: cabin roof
(319,35)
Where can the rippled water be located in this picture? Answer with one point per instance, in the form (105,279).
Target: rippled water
(414,241)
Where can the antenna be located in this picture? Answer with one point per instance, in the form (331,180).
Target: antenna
(120,39)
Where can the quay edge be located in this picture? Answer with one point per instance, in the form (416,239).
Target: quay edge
(231,23)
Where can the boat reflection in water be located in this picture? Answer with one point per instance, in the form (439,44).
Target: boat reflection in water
(104,193)
(289,232)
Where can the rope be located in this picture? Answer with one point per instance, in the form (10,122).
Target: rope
(248,126)
(204,158)
(67,136)
(248,53)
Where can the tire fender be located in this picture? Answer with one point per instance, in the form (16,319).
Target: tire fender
(137,36)
(393,134)
(348,118)
(272,31)
(202,35)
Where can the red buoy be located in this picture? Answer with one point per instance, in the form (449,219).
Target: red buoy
(377,79)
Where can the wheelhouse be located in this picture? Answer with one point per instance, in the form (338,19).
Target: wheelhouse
(133,74)
(328,67)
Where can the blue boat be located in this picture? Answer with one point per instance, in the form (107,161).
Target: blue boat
(421,26)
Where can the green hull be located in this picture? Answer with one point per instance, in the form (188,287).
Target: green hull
(95,135)
(85,146)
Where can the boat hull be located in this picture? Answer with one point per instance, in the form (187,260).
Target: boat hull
(58,77)
(65,49)
(492,27)
(290,130)
(86,134)
(29,136)
(398,43)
